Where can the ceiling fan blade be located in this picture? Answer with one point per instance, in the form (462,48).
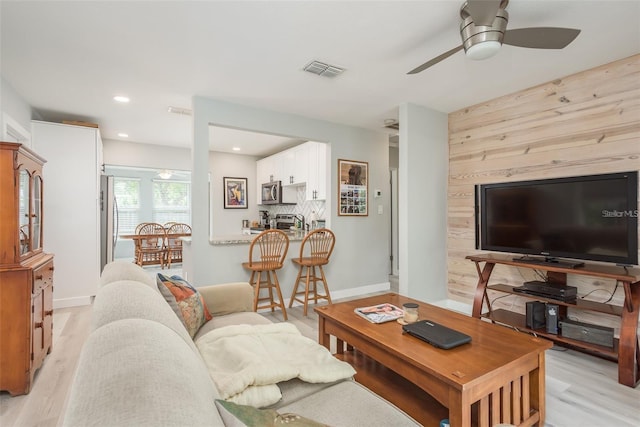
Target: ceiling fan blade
(483,12)
(540,37)
(435,60)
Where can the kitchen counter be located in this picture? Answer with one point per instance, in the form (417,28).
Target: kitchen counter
(235,239)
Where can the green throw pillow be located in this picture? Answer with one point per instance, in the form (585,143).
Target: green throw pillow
(185,300)
(235,415)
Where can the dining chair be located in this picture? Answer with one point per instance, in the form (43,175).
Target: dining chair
(271,248)
(315,250)
(174,243)
(151,245)
(139,226)
(136,243)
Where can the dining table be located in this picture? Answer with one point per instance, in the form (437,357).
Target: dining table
(138,238)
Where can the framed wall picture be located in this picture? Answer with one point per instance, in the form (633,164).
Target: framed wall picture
(235,193)
(353,188)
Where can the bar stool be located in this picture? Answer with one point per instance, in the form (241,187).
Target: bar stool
(320,244)
(273,246)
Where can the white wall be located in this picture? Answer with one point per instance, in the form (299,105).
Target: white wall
(229,221)
(423,175)
(13,108)
(125,153)
(361,255)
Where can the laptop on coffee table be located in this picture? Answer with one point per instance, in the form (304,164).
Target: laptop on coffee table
(435,334)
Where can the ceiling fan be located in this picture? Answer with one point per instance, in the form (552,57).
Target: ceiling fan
(483,30)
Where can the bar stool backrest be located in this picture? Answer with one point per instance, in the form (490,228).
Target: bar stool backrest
(273,245)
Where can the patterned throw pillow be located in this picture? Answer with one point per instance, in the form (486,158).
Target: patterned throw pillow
(235,415)
(185,300)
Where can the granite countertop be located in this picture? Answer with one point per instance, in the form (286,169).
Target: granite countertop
(233,239)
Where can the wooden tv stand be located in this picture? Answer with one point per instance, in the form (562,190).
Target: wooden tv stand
(625,351)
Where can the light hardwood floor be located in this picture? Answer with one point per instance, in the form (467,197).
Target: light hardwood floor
(581,390)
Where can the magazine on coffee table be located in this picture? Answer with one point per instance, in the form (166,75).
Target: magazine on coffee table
(380,313)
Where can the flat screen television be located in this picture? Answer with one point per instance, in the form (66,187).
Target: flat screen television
(591,217)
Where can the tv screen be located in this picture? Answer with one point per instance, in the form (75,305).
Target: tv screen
(587,217)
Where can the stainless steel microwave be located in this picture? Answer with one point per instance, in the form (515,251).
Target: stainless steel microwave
(272,193)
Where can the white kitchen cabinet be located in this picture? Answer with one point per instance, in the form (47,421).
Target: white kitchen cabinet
(317,171)
(305,164)
(71,208)
(279,170)
(295,165)
(270,169)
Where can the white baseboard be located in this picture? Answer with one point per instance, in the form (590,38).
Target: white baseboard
(460,307)
(360,290)
(72,302)
(347,293)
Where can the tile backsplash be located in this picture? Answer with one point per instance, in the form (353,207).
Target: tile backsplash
(303,206)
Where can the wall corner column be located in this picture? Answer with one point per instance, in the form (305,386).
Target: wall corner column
(423,176)
(195,270)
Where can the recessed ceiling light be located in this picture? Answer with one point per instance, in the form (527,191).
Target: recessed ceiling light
(123,135)
(236,148)
(120,98)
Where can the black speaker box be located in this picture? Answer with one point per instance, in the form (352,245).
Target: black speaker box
(594,334)
(553,316)
(535,311)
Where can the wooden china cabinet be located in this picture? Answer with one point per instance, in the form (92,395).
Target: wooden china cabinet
(26,272)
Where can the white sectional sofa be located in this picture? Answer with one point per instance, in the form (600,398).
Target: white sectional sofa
(140,367)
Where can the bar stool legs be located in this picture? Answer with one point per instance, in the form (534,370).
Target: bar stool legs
(267,284)
(315,250)
(310,291)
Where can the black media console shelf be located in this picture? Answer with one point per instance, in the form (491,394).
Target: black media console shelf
(625,350)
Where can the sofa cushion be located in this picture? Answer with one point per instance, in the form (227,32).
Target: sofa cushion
(227,297)
(361,408)
(185,300)
(126,299)
(126,270)
(235,415)
(136,372)
(297,389)
(242,318)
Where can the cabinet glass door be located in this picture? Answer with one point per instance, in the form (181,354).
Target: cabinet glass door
(23,211)
(36,219)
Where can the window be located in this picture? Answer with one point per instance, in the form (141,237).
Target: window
(127,192)
(171,201)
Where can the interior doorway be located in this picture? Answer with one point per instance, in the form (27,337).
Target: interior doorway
(394,257)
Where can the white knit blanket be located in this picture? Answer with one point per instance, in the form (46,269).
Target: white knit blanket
(246,361)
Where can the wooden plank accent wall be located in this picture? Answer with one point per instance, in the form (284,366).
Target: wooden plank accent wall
(586,123)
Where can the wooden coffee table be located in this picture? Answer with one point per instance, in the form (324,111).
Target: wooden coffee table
(497,378)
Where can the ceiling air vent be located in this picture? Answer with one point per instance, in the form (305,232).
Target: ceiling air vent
(179,110)
(322,69)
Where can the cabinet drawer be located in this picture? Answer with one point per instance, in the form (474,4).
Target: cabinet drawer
(42,277)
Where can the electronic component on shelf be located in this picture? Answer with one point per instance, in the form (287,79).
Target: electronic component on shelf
(552,316)
(594,334)
(548,290)
(535,315)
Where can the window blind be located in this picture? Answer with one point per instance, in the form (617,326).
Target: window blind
(127,193)
(171,201)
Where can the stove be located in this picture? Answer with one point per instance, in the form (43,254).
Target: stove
(285,221)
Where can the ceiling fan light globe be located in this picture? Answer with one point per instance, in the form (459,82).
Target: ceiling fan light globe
(165,174)
(483,50)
